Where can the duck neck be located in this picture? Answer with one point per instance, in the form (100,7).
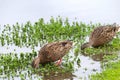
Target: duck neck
(85,45)
(41,58)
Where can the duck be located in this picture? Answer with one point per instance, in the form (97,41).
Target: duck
(52,52)
(101,35)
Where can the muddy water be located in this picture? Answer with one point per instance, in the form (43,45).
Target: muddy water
(87,65)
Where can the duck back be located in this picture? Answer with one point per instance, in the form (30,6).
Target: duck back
(102,35)
(54,51)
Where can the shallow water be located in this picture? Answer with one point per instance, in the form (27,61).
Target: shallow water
(87,66)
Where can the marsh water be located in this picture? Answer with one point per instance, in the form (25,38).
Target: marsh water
(86,67)
(76,10)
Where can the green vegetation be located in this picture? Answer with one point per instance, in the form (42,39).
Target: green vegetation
(111,72)
(32,35)
(20,65)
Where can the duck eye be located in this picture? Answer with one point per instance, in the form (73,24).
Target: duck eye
(114,29)
(64,43)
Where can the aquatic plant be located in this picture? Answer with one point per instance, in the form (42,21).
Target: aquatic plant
(111,72)
(32,34)
(36,34)
(19,65)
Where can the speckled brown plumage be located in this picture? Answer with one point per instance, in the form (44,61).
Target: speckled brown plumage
(52,52)
(101,35)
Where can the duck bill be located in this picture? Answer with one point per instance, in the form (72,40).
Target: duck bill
(118,29)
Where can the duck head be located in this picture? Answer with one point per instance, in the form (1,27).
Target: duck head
(116,27)
(85,45)
(67,44)
(35,62)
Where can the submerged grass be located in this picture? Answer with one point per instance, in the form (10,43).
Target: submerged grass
(114,45)
(20,65)
(31,35)
(111,72)
(111,66)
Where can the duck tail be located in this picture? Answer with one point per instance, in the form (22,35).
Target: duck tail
(35,63)
(85,45)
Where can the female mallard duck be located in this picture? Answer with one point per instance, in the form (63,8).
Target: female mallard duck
(52,52)
(101,35)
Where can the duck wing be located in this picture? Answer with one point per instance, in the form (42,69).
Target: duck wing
(54,51)
(102,35)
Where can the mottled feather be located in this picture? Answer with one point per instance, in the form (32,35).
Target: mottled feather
(53,51)
(101,35)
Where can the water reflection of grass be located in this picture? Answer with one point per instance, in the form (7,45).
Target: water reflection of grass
(30,35)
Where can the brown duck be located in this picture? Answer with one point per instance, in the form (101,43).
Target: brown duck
(101,35)
(52,52)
